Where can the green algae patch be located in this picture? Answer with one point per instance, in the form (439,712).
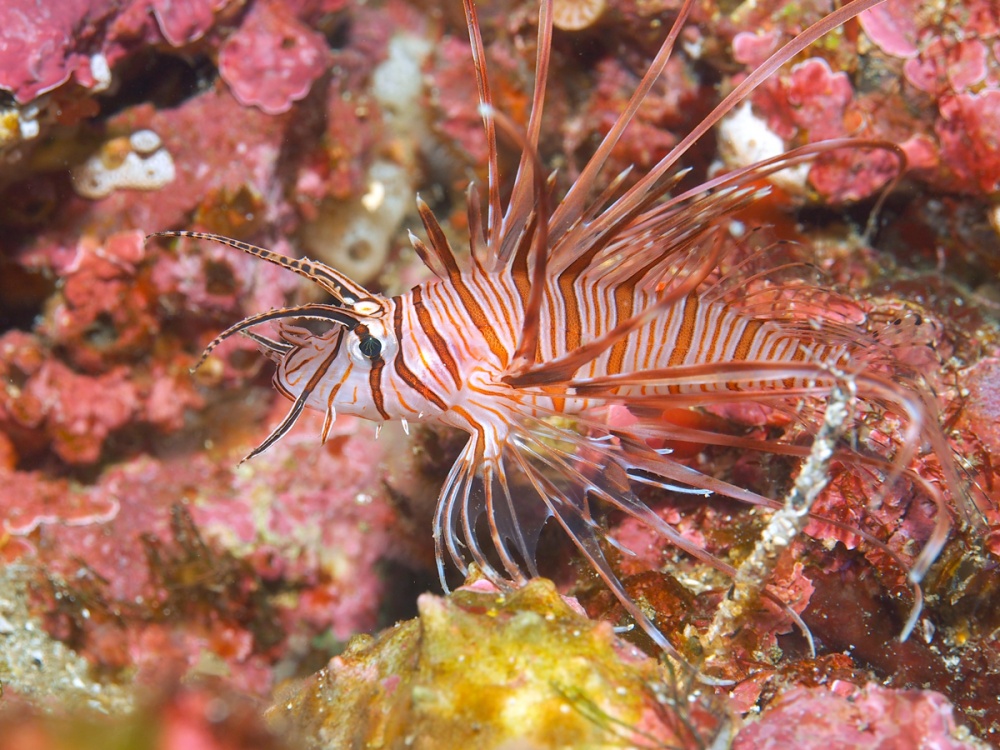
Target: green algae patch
(488,669)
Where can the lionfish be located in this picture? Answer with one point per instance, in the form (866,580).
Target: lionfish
(564,308)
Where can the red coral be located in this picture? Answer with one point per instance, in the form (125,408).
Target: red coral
(273,59)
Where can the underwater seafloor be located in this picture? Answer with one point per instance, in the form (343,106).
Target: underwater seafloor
(156,593)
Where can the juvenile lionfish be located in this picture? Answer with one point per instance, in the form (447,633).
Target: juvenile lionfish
(565,308)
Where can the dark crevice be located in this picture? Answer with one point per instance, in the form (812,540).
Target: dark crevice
(336,28)
(22,295)
(403,584)
(163,80)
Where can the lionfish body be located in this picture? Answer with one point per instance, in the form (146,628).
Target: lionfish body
(565,311)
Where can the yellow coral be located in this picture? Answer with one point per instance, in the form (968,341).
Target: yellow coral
(488,670)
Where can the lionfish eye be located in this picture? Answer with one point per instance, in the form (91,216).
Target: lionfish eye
(370,346)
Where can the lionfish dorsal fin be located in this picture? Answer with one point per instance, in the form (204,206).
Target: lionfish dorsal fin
(524,355)
(440,248)
(523,192)
(485,100)
(477,240)
(427,257)
(575,202)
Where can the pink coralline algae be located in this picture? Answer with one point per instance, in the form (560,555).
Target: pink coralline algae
(48,403)
(667,111)
(184,21)
(979,423)
(894,27)
(78,412)
(40,45)
(166,587)
(813,103)
(818,98)
(30,501)
(151,555)
(182,718)
(970,143)
(918,76)
(454,96)
(43,45)
(102,315)
(843,716)
(753,48)
(949,53)
(272,60)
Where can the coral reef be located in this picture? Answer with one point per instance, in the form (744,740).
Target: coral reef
(155,587)
(127,575)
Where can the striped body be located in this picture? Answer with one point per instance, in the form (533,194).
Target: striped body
(447,345)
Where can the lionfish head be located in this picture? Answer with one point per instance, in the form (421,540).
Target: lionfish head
(337,370)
